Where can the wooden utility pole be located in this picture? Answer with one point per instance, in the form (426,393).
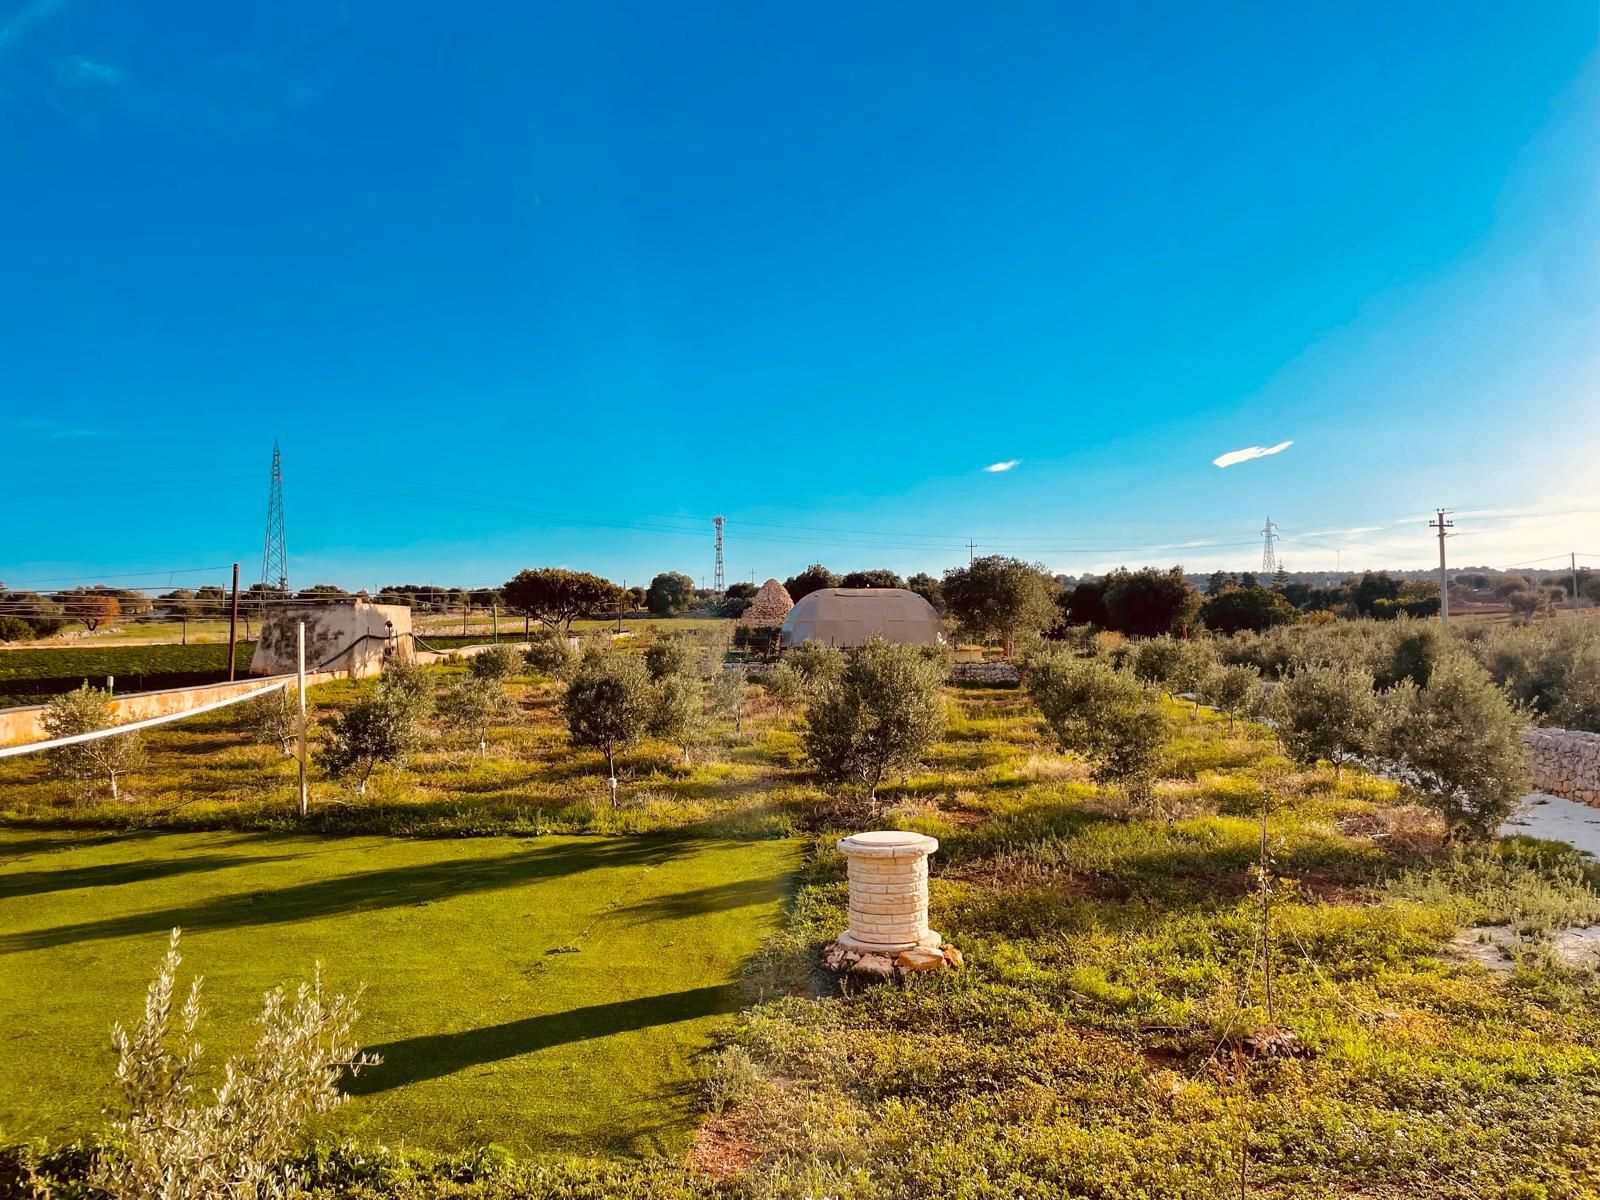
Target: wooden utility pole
(233,624)
(494,615)
(300,699)
(1444,582)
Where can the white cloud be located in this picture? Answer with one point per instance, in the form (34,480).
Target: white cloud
(85,72)
(1234,457)
(1003,466)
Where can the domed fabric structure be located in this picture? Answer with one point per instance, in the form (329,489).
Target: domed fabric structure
(847,617)
(769,608)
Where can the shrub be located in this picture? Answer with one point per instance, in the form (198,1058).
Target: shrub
(1107,716)
(607,705)
(497,663)
(1177,664)
(171,1145)
(379,728)
(1458,744)
(472,704)
(108,758)
(1326,713)
(881,714)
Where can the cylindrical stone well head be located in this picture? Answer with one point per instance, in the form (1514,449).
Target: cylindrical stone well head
(888,891)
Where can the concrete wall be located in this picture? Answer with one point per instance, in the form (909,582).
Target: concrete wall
(354,635)
(1566,762)
(26,724)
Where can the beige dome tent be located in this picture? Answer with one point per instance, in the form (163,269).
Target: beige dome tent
(769,608)
(846,617)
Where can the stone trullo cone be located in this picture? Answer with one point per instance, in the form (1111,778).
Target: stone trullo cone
(770,607)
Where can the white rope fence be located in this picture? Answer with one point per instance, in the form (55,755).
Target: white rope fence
(146,723)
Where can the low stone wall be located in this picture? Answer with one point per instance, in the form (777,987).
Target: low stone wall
(1566,762)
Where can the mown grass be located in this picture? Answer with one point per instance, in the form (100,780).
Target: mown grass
(1100,1041)
(545,994)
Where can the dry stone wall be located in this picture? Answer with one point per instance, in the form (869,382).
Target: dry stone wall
(1566,762)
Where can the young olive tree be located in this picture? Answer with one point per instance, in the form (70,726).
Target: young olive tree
(408,685)
(382,727)
(816,664)
(1326,713)
(730,691)
(1234,690)
(785,687)
(472,704)
(106,759)
(671,656)
(173,1143)
(1458,744)
(678,711)
(498,664)
(607,705)
(550,654)
(1109,717)
(270,720)
(881,714)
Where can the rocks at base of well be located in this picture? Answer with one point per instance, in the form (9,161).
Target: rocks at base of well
(843,960)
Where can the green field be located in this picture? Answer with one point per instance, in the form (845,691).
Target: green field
(33,675)
(548,995)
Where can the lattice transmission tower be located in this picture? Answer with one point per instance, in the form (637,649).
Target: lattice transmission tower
(274,554)
(716,580)
(1269,548)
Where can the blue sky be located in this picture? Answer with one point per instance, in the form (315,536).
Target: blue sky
(520,284)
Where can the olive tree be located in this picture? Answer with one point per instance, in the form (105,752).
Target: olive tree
(271,720)
(1106,715)
(1234,690)
(497,663)
(381,727)
(785,686)
(678,711)
(996,597)
(550,654)
(87,710)
(607,705)
(730,691)
(1326,713)
(178,1139)
(472,704)
(881,714)
(672,656)
(1458,744)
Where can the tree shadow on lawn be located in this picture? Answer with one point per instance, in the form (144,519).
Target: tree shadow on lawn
(721,897)
(367,891)
(35,883)
(433,1055)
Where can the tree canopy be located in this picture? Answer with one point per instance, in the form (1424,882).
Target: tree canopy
(813,579)
(1235,608)
(881,577)
(670,592)
(1149,602)
(556,597)
(996,597)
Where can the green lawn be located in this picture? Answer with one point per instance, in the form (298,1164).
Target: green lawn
(548,995)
